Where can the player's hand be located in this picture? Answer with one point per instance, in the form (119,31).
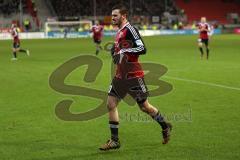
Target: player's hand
(117,58)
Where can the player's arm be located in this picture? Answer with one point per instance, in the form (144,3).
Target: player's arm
(198,27)
(13,33)
(202,29)
(133,45)
(136,44)
(206,28)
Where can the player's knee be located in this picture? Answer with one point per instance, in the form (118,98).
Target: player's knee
(110,107)
(111,104)
(144,107)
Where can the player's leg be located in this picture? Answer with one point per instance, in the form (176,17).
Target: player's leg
(155,114)
(112,103)
(139,92)
(113,142)
(200,46)
(14,54)
(98,46)
(15,49)
(24,51)
(207,47)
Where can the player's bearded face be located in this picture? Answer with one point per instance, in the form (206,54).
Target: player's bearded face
(116,17)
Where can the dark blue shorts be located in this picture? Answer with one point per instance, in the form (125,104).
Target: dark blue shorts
(135,87)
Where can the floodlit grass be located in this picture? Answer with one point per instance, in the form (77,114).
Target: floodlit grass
(203,106)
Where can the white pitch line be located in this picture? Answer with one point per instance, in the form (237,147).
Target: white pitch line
(203,83)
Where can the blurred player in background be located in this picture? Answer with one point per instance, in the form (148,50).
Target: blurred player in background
(97,31)
(129,78)
(65,30)
(16,42)
(204,31)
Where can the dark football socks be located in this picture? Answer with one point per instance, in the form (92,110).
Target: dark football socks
(160,119)
(207,53)
(201,50)
(14,54)
(114,130)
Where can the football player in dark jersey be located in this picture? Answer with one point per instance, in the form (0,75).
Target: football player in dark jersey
(129,78)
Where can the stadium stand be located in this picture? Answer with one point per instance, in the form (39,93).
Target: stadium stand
(140,10)
(10,9)
(214,10)
(85,7)
(148,14)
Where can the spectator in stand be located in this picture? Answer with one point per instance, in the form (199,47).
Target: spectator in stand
(180,25)
(175,26)
(194,26)
(26,25)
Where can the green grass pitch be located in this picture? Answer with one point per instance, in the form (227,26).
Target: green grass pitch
(203,106)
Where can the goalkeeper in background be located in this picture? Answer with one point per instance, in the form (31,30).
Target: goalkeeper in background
(97,31)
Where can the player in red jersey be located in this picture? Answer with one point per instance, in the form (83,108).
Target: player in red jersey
(129,78)
(97,31)
(204,29)
(16,42)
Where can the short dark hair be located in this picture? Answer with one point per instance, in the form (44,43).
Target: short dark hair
(122,9)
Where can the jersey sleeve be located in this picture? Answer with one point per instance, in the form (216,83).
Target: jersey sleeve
(14,33)
(137,45)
